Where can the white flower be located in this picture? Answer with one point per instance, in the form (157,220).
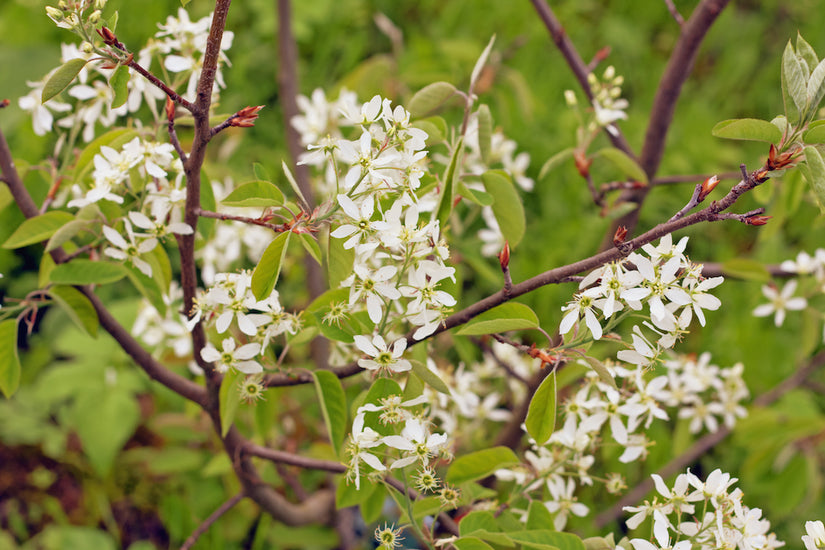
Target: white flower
(563,502)
(230,357)
(361,439)
(582,306)
(129,251)
(815,539)
(779,302)
(417,440)
(383,359)
(361,229)
(375,286)
(660,533)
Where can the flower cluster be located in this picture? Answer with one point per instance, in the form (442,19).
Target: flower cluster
(608,105)
(704,393)
(701,515)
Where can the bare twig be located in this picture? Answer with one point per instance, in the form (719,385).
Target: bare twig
(213,517)
(691,178)
(283,457)
(671,7)
(278,228)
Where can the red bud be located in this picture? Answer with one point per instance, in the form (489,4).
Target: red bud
(107,35)
(170,109)
(504,256)
(582,163)
(757,220)
(619,236)
(707,186)
(245,118)
(4,103)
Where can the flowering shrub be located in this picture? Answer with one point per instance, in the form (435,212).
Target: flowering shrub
(409,375)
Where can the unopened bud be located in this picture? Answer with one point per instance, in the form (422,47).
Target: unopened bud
(570,98)
(246,117)
(94,18)
(609,72)
(100,4)
(86,48)
(170,109)
(707,186)
(619,236)
(62,5)
(757,220)
(107,35)
(582,163)
(54,14)
(504,256)
(592,80)
(4,103)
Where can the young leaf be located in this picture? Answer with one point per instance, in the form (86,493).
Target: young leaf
(816,88)
(268,269)
(485,132)
(744,268)
(555,161)
(104,423)
(428,376)
(77,306)
(119,82)
(86,272)
(230,398)
(482,60)
(481,198)
(507,206)
(751,129)
(429,98)
(794,84)
(480,464)
(260,172)
(445,202)
(255,193)
(61,78)
(541,415)
(37,229)
(66,233)
(538,516)
(294,184)
(503,318)
(601,370)
(806,52)
(815,133)
(339,261)
(333,406)
(311,246)
(9,361)
(816,168)
(627,165)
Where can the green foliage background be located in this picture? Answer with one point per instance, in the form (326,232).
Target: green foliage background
(169,469)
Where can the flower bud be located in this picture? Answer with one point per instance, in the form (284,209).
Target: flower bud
(609,72)
(757,220)
(504,256)
(62,5)
(107,35)
(570,98)
(170,109)
(94,18)
(246,117)
(100,4)
(707,186)
(619,236)
(582,163)
(592,80)
(4,103)
(54,14)
(86,48)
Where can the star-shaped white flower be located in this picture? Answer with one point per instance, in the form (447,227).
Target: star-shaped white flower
(779,302)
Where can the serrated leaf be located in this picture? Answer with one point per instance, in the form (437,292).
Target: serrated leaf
(485,132)
(507,206)
(268,269)
(333,406)
(506,317)
(751,129)
(555,161)
(445,201)
(480,464)
(815,89)
(749,270)
(119,82)
(61,78)
(429,98)
(816,169)
(601,370)
(312,247)
(78,307)
(9,361)
(37,229)
(230,398)
(428,376)
(794,84)
(624,163)
(85,272)
(815,132)
(255,193)
(482,60)
(541,415)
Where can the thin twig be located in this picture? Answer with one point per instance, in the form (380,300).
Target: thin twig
(671,7)
(188,105)
(278,228)
(694,200)
(691,178)
(207,523)
(283,457)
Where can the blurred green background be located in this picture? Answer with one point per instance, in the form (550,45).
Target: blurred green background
(775,453)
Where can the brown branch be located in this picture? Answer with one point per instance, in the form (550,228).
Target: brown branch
(135,66)
(278,228)
(283,457)
(576,64)
(707,442)
(692,178)
(671,7)
(207,523)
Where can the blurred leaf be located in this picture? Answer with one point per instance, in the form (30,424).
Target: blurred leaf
(230,398)
(445,200)
(119,82)
(544,538)
(85,272)
(268,269)
(312,247)
(104,423)
(624,163)
(541,415)
(816,88)
(9,361)
(482,60)
(749,270)
(793,85)
(147,286)
(815,132)
(507,206)
(37,229)
(480,464)
(816,170)
(339,262)
(538,516)
(506,317)
(485,132)
(471,543)
(78,307)
(481,198)
(555,161)
(428,376)
(601,370)
(333,406)
(294,184)
(254,193)
(751,129)
(61,78)
(429,98)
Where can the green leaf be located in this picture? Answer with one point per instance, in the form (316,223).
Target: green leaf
(86,272)
(815,132)
(815,89)
(294,184)
(555,161)
(312,247)
(119,82)
(480,464)
(816,169)
(507,206)
(147,286)
(541,415)
(260,172)
(230,398)
(471,543)
(67,232)
(485,132)
(255,193)
(481,198)
(61,78)
(474,521)
(503,318)
(37,229)
(794,85)
(9,361)
(749,270)
(104,423)
(428,376)
(77,306)
(624,163)
(434,134)
(372,507)
(268,269)
(751,129)
(333,406)
(545,538)
(601,370)
(339,262)
(806,52)
(430,98)
(482,60)
(113,138)
(538,516)
(445,201)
